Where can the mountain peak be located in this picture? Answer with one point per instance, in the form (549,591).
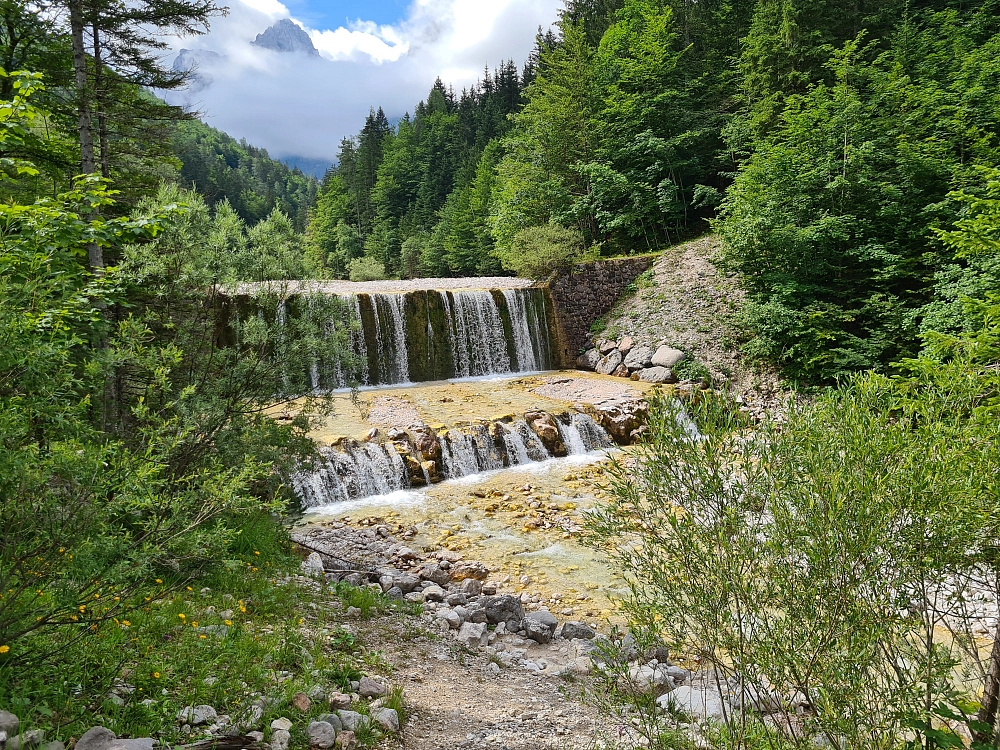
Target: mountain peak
(286,36)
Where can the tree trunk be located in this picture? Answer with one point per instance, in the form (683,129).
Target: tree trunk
(101,101)
(991,692)
(95,257)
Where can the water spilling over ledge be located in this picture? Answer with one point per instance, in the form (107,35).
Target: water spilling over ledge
(419,456)
(398,336)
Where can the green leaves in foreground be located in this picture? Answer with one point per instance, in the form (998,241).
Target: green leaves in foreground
(830,554)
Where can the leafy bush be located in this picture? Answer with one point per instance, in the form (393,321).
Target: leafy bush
(366,269)
(822,555)
(536,252)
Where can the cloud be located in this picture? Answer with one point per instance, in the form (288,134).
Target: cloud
(294,105)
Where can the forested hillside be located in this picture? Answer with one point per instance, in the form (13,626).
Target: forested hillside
(219,167)
(823,139)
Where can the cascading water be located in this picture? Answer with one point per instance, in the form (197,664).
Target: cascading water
(529,326)
(393,360)
(477,335)
(390,338)
(581,434)
(371,469)
(359,471)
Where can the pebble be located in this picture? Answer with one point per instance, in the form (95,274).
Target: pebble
(346,740)
(281,724)
(301,702)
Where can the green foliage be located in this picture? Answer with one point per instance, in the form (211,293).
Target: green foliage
(829,222)
(811,555)
(245,177)
(239,627)
(536,252)
(366,269)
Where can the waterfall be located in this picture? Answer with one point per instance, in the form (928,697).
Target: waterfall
(472,452)
(390,336)
(514,442)
(529,329)
(360,471)
(581,434)
(367,469)
(479,343)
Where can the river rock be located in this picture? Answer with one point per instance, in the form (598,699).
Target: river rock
(626,344)
(405,582)
(99,738)
(196,715)
(657,374)
(588,360)
(473,634)
(546,618)
(638,358)
(621,418)
(647,679)
(506,609)
(387,718)
(346,740)
(96,738)
(313,565)
(369,688)
(280,739)
(351,719)
(10,724)
(471,587)
(469,569)
(449,616)
(606,347)
(702,703)
(425,441)
(321,735)
(609,363)
(622,372)
(571,630)
(434,573)
(537,631)
(332,719)
(434,594)
(667,356)
(544,425)
(339,700)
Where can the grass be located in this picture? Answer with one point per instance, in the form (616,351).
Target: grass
(243,636)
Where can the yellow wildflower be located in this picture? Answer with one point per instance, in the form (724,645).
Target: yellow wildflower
(228,622)
(182,616)
(4,649)
(156,675)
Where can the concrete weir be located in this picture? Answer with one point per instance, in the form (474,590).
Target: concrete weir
(385,333)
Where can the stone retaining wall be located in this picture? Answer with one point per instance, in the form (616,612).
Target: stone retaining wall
(583,295)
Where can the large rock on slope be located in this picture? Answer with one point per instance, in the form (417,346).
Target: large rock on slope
(657,375)
(609,363)
(588,360)
(639,357)
(667,356)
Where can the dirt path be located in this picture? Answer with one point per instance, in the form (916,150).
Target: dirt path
(463,698)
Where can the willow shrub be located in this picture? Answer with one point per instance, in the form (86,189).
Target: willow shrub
(827,555)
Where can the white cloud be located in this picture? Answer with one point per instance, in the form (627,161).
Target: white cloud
(298,106)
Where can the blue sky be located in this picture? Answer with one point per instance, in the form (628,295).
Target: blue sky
(333,13)
(381,53)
